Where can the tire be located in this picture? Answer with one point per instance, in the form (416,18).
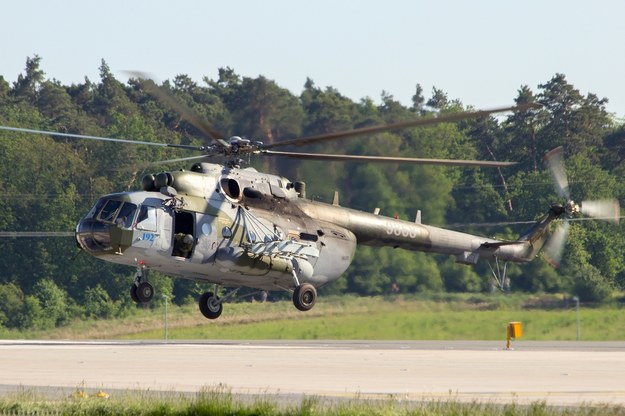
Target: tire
(304,297)
(133,294)
(209,306)
(145,292)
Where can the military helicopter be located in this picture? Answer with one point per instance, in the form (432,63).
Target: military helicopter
(235,227)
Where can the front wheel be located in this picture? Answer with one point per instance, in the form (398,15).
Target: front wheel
(304,297)
(210,306)
(145,292)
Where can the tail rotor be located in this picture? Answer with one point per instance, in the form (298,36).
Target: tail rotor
(605,209)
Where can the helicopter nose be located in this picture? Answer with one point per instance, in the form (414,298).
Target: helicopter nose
(93,236)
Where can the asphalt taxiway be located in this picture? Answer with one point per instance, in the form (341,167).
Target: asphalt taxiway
(560,373)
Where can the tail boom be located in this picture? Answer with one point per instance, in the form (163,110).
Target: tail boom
(380,231)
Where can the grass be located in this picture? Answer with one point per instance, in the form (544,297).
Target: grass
(411,323)
(435,317)
(220,401)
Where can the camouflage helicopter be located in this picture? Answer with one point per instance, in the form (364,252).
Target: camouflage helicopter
(235,227)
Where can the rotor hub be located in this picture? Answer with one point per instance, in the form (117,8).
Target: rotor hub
(571,208)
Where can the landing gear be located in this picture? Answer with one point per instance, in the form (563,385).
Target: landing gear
(210,305)
(304,297)
(305,294)
(141,291)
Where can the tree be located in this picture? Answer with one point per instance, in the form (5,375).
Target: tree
(418,100)
(4,90)
(56,105)
(326,110)
(571,120)
(27,85)
(438,100)
(110,97)
(521,127)
(476,200)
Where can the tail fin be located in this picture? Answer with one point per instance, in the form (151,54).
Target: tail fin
(539,233)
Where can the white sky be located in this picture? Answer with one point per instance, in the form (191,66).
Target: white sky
(480,52)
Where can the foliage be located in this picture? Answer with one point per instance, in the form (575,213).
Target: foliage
(49,183)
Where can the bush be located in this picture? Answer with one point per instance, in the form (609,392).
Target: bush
(11,305)
(54,303)
(98,303)
(18,311)
(590,285)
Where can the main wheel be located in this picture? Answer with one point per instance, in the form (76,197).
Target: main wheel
(145,292)
(210,306)
(304,297)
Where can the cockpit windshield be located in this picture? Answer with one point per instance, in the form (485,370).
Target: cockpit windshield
(114,212)
(109,212)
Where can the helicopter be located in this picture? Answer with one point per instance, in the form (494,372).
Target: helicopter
(236,227)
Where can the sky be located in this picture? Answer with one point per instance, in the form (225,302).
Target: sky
(479,52)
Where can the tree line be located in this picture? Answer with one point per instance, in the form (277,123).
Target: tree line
(48,184)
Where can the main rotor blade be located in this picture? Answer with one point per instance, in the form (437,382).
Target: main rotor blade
(182,159)
(383,159)
(183,111)
(604,209)
(554,160)
(399,125)
(554,247)
(504,223)
(102,139)
(32,234)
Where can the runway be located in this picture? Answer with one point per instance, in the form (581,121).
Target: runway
(560,373)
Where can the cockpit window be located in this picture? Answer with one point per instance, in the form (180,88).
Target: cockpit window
(112,211)
(109,211)
(96,208)
(147,218)
(126,215)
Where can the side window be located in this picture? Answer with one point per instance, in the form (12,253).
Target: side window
(147,218)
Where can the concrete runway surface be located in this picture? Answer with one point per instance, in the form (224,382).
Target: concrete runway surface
(561,373)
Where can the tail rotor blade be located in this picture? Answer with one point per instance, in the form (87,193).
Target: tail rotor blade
(604,209)
(554,160)
(555,245)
